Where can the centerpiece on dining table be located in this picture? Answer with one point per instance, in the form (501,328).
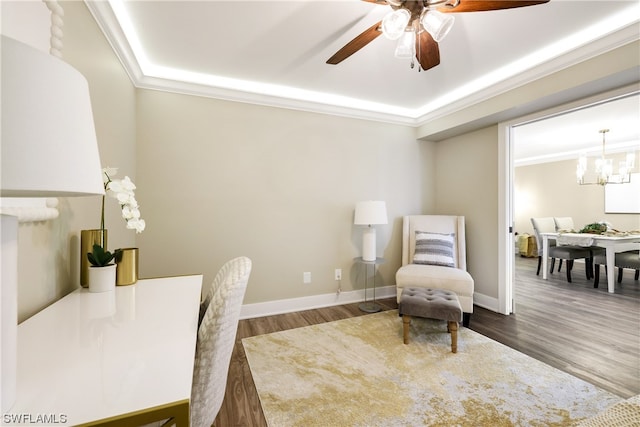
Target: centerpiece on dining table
(594,228)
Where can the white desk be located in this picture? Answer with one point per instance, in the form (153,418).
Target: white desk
(115,358)
(610,243)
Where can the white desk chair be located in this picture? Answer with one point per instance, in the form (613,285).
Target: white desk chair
(216,339)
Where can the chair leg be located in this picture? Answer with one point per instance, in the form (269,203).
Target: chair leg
(553,263)
(596,280)
(637,275)
(620,271)
(568,267)
(587,267)
(406,321)
(539,264)
(466,319)
(560,266)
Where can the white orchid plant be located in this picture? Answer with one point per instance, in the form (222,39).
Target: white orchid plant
(122,191)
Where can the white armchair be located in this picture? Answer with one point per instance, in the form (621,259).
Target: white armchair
(441,259)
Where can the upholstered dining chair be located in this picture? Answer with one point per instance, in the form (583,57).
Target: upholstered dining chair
(565,252)
(565,225)
(216,339)
(434,256)
(628,259)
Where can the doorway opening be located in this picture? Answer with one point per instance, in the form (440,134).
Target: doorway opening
(510,219)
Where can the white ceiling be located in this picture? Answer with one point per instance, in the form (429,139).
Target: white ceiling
(274,52)
(566,135)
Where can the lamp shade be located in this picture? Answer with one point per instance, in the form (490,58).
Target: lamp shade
(370,213)
(49,145)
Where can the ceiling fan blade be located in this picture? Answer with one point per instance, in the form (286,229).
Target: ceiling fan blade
(427,51)
(484,5)
(383,2)
(356,44)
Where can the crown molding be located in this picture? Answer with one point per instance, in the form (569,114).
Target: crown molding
(586,51)
(110,26)
(108,23)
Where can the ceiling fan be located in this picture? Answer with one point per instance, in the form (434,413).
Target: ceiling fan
(419,25)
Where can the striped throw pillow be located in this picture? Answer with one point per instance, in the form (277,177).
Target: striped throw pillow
(434,249)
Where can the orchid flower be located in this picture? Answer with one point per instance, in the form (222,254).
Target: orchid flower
(122,191)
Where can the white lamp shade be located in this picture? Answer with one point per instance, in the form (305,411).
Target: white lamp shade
(394,23)
(370,213)
(406,45)
(437,24)
(49,145)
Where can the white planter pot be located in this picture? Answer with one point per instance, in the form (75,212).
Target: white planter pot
(102,279)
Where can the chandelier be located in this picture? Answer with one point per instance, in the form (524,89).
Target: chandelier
(602,173)
(410,18)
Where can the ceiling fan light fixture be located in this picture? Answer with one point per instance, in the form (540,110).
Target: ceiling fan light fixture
(406,45)
(436,23)
(394,23)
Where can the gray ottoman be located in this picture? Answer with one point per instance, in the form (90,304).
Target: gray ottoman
(433,304)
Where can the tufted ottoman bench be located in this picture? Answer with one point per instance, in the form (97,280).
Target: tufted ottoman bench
(432,304)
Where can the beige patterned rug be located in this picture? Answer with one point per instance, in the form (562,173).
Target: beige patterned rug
(357,372)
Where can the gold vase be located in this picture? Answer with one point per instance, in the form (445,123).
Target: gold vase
(88,238)
(127,267)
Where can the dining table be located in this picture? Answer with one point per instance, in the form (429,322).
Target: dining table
(614,242)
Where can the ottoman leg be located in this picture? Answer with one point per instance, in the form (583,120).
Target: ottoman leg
(406,321)
(453,329)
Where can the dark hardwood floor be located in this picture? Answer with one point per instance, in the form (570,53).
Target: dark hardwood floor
(586,332)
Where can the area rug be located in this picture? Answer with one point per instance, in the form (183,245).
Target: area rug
(358,372)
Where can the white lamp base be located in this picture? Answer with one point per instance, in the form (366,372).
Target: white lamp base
(369,244)
(9,299)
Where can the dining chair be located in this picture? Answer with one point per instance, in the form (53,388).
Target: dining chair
(628,259)
(566,252)
(565,225)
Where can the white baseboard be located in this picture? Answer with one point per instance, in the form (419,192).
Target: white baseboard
(487,302)
(291,305)
(270,308)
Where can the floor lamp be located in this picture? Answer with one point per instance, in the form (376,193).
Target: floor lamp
(49,149)
(370,213)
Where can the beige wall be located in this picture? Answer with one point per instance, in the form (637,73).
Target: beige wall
(550,189)
(220,179)
(467,183)
(48,253)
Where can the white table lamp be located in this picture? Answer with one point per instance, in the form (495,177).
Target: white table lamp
(49,149)
(370,213)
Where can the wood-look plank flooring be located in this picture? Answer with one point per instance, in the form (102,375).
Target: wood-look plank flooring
(586,332)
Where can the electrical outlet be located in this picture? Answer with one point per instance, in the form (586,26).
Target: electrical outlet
(338,274)
(306,277)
